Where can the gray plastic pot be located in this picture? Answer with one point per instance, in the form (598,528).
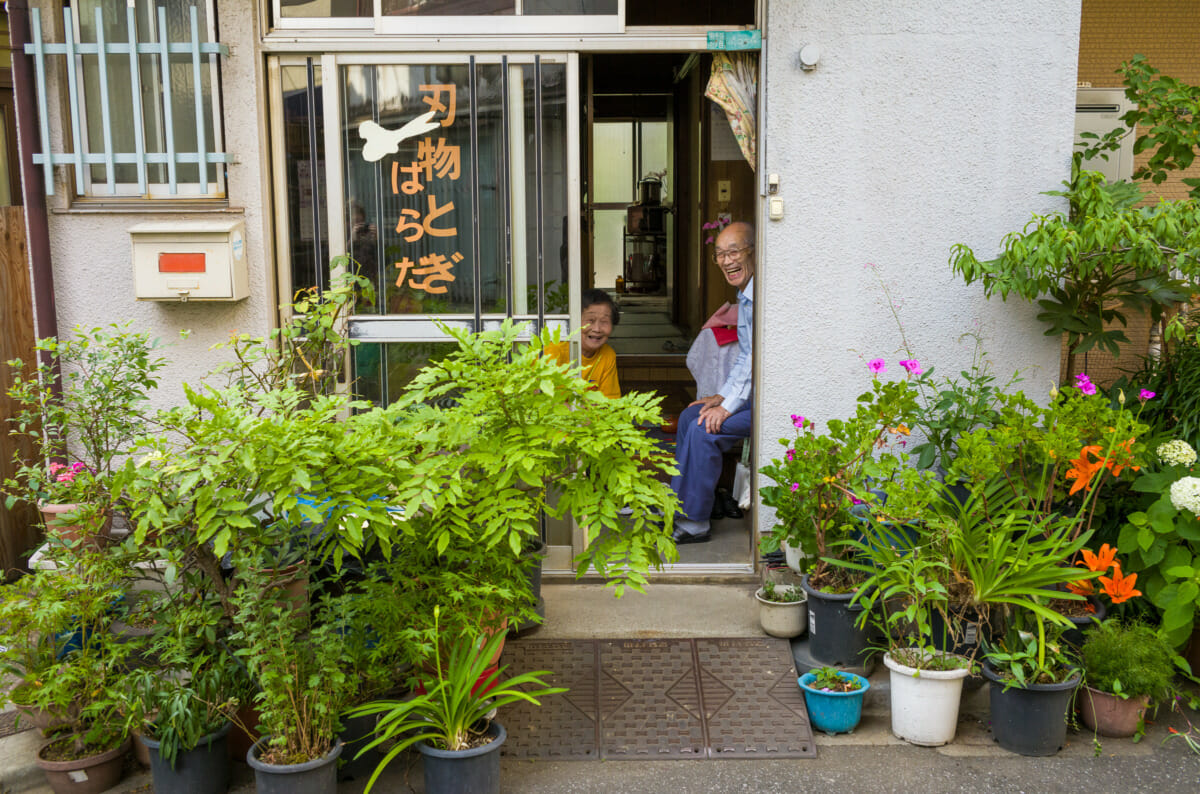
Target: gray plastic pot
(205,769)
(474,771)
(318,776)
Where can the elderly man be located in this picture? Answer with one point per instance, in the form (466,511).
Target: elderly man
(712,425)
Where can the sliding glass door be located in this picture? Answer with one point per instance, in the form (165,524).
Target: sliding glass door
(450,181)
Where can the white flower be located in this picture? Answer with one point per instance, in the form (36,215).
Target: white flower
(1176,452)
(1185,494)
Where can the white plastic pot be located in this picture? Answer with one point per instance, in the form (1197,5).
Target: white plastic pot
(925,702)
(791,555)
(782,619)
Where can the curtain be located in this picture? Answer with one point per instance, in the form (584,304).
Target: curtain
(734,86)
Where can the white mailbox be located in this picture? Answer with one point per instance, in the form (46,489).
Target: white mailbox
(190,260)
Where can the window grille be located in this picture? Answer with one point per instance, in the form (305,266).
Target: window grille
(160,109)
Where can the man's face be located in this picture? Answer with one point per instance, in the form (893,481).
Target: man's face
(735,257)
(598,326)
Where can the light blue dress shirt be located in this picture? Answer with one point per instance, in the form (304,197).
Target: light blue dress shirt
(737,387)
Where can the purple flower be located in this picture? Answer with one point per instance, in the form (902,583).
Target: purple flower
(912,366)
(877,366)
(1084,384)
(795,487)
(1145,394)
(855,500)
(797,420)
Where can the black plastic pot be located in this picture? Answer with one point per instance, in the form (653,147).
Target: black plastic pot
(1029,720)
(834,638)
(357,733)
(205,769)
(1074,635)
(318,776)
(474,771)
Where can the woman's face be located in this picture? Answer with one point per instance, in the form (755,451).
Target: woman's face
(597,327)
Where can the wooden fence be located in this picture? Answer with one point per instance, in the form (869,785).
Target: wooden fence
(19,527)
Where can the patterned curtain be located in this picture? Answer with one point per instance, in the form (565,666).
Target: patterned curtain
(734,86)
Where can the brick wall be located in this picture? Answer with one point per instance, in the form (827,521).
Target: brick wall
(1167,32)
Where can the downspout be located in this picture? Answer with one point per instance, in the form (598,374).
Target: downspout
(33,190)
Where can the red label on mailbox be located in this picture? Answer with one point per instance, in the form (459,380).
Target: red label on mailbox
(180,263)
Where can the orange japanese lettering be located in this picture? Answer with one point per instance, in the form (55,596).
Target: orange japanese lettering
(438,156)
(435,102)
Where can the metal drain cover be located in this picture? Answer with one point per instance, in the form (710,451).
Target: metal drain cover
(665,698)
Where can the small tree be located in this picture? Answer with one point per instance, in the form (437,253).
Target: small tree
(1108,255)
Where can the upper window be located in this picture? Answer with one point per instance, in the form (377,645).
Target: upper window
(144,108)
(455,16)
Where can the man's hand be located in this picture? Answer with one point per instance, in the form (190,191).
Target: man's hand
(712,418)
(707,402)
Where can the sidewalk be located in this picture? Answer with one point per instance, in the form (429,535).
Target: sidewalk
(870,759)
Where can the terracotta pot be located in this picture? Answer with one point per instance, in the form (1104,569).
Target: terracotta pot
(71,534)
(89,775)
(240,741)
(1109,715)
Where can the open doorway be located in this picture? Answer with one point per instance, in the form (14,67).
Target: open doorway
(661,163)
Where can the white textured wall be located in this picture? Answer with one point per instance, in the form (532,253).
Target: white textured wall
(925,124)
(91,252)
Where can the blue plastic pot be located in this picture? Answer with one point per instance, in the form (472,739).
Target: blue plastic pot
(834,712)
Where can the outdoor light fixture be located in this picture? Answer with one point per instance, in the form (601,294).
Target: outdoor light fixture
(810,54)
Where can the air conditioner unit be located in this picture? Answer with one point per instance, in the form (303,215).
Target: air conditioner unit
(1099,110)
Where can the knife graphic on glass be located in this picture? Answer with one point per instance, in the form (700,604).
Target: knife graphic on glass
(380,141)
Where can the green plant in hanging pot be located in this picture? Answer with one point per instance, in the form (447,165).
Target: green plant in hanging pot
(449,722)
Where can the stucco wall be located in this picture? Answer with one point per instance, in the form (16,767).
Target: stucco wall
(924,125)
(90,248)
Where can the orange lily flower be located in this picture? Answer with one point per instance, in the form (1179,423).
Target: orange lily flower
(1101,561)
(1083,587)
(1120,588)
(1084,469)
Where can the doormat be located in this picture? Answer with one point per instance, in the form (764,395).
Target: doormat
(667,698)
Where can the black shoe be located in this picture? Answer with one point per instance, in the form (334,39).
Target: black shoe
(718,508)
(729,507)
(682,538)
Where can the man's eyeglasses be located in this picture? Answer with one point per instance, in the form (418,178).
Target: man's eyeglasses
(732,253)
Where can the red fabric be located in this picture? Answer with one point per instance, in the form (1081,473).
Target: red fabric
(725,335)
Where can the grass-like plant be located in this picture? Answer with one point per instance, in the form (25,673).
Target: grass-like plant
(1128,660)
(453,710)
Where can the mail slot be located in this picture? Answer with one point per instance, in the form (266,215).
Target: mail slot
(180,263)
(190,260)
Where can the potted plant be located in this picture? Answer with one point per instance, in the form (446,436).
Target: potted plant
(1127,665)
(904,592)
(449,721)
(834,699)
(1033,677)
(816,484)
(782,610)
(185,701)
(75,673)
(300,664)
(83,406)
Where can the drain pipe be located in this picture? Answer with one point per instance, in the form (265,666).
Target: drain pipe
(33,190)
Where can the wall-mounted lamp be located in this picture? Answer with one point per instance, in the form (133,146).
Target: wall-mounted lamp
(810,54)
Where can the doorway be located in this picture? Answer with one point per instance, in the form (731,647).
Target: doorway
(661,165)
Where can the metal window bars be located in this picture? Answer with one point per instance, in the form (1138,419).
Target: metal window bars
(163,48)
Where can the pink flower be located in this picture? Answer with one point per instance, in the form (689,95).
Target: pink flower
(877,366)
(1145,394)
(1084,384)
(791,455)
(912,366)
(856,500)
(795,487)
(797,420)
